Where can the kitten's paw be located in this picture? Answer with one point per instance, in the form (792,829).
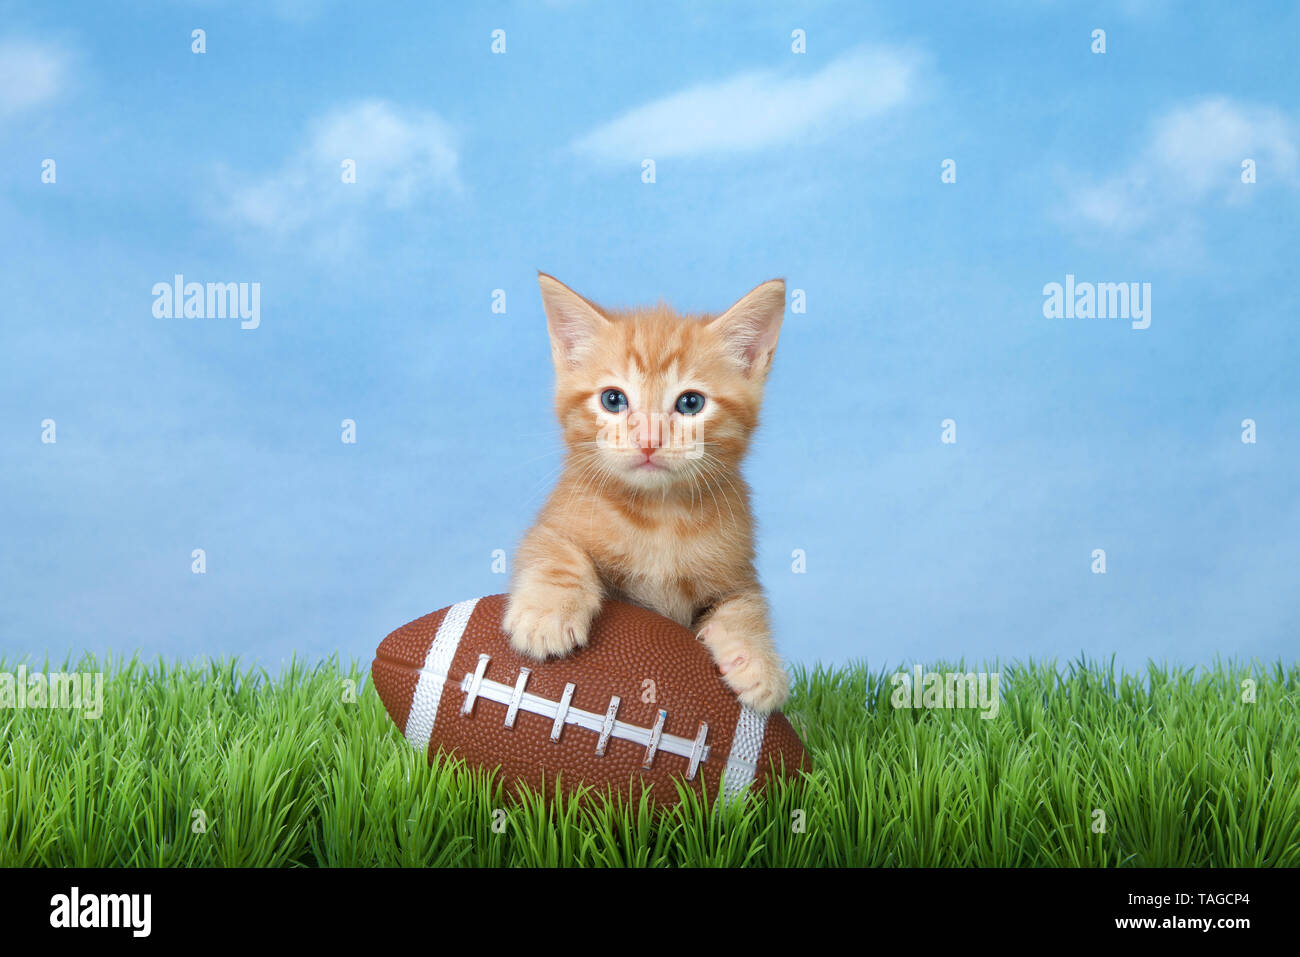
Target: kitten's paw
(759,683)
(754,674)
(544,623)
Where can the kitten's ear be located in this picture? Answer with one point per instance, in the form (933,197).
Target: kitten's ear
(750,328)
(572,321)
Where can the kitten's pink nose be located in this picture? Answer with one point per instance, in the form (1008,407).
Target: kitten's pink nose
(646,446)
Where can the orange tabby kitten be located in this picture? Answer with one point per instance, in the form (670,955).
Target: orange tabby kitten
(657,411)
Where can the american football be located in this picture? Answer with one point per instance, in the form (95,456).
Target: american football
(640,705)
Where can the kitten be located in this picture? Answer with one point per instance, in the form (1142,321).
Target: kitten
(657,411)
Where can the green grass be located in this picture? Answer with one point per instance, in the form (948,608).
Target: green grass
(286,773)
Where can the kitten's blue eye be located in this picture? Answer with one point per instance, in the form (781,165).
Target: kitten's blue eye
(690,403)
(613,400)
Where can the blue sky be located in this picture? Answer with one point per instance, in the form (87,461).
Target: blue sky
(475,169)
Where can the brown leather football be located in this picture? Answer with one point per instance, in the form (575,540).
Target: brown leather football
(639,705)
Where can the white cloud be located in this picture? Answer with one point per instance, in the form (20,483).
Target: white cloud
(1192,158)
(30,74)
(757,109)
(402,157)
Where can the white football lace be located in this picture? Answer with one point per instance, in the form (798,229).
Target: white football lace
(561,713)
